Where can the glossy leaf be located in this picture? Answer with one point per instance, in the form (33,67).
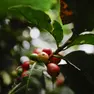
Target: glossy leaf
(43,5)
(35,17)
(57,32)
(84,62)
(77,79)
(54,12)
(83,39)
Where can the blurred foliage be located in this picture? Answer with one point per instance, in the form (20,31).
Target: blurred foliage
(80,13)
(6,4)
(31,15)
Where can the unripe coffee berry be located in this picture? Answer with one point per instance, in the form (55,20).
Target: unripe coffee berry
(42,56)
(33,56)
(14,73)
(19,70)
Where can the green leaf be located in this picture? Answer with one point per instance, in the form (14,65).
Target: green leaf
(38,70)
(35,17)
(83,39)
(54,12)
(62,90)
(43,5)
(57,32)
(84,62)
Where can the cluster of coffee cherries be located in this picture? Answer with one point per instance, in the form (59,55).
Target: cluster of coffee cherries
(51,61)
(40,55)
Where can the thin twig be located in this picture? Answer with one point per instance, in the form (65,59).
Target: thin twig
(68,62)
(20,88)
(88,77)
(29,77)
(11,92)
(63,46)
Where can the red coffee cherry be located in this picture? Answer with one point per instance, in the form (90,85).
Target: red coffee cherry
(60,80)
(53,69)
(37,50)
(25,65)
(55,59)
(25,74)
(48,51)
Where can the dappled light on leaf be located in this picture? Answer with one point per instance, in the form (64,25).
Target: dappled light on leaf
(83,39)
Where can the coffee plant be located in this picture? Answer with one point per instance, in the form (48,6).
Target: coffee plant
(46,65)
